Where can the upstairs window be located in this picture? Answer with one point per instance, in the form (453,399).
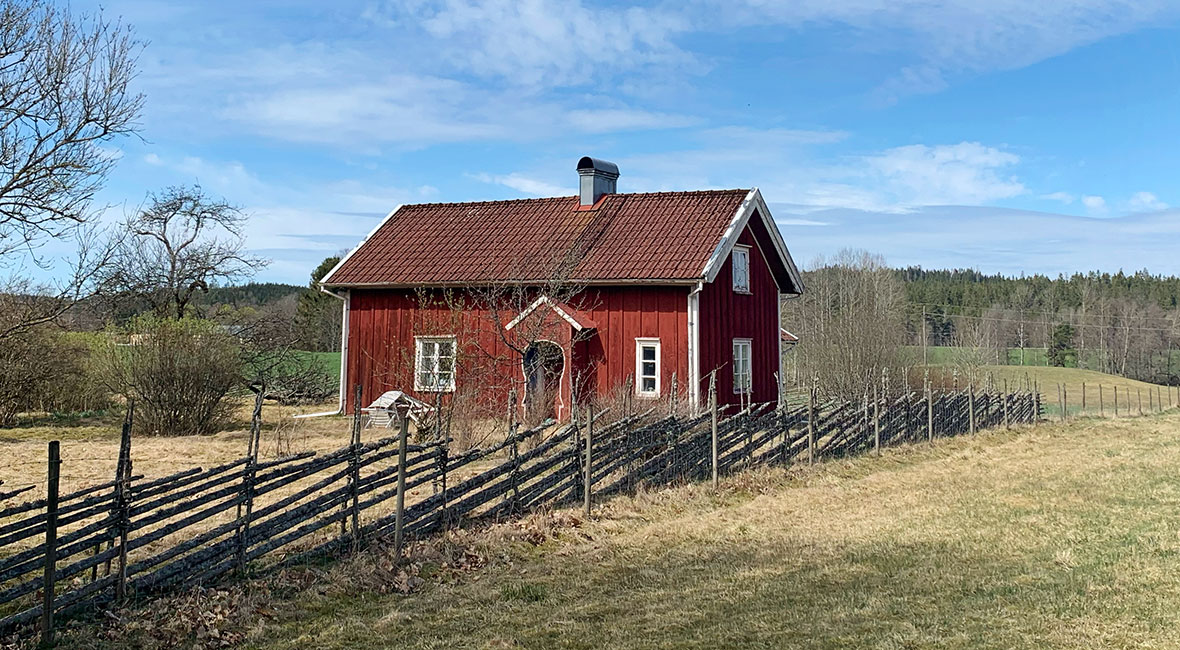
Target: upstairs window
(647,367)
(742,373)
(741,269)
(434,363)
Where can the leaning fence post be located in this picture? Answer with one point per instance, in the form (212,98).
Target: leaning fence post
(399,517)
(713,416)
(971,406)
(513,451)
(876,422)
(672,397)
(586,483)
(354,440)
(1139,399)
(929,410)
(1101,403)
(246,507)
(123,501)
(1007,422)
(50,543)
(811,424)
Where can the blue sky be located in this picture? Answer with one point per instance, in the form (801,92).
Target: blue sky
(1005,136)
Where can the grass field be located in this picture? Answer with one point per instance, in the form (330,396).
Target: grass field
(1131,392)
(1062,536)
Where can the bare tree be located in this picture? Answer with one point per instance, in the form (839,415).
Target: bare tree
(65,90)
(179,243)
(850,322)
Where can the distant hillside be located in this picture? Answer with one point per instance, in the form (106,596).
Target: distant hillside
(254,294)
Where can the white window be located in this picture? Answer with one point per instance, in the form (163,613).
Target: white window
(434,363)
(742,374)
(741,269)
(647,367)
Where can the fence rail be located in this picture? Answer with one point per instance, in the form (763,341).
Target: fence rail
(131,538)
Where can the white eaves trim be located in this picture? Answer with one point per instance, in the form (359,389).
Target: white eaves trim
(751,204)
(543,300)
(326,279)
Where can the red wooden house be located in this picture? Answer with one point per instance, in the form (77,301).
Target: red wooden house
(568,297)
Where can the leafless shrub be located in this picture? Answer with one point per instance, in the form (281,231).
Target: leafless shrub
(178,371)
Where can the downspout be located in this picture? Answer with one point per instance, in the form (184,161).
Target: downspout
(346,301)
(694,344)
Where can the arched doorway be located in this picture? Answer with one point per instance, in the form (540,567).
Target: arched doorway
(544,363)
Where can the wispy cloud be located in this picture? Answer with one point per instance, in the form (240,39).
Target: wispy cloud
(964,173)
(521,183)
(1146,202)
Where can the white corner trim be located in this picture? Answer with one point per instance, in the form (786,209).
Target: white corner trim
(753,202)
(553,305)
(328,277)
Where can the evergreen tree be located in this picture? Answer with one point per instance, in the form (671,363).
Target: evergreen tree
(317,317)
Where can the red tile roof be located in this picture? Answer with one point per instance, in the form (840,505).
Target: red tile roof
(663,236)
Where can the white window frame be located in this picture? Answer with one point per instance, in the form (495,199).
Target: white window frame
(640,343)
(743,251)
(434,369)
(741,387)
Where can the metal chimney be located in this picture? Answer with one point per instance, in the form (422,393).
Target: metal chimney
(597,177)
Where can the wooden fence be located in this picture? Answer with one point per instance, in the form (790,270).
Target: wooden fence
(133,537)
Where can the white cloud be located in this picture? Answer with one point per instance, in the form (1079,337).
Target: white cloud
(1094,204)
(1146,202)
(964,173)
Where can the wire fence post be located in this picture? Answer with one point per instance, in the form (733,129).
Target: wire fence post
(50,577)
(587,481)
(1083,398)
(1101,403)
(713,423)
(403,415)
(1139,399)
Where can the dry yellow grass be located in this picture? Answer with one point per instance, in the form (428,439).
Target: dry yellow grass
(89,452)
(1064,536)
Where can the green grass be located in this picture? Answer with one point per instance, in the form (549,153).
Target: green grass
(1065,536)
(945,355)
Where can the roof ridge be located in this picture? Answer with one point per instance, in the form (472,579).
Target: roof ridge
(662,193)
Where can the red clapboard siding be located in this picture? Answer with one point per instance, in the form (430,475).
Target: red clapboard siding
(726,315)
(384,322)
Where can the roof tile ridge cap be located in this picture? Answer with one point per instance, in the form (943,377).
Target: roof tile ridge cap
(536,199)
